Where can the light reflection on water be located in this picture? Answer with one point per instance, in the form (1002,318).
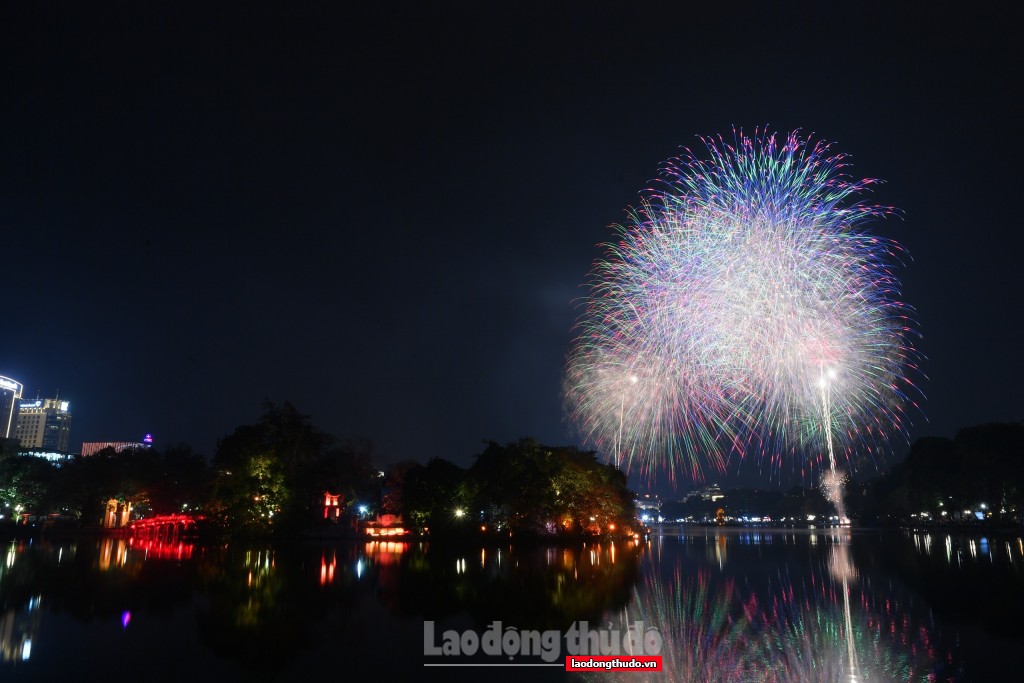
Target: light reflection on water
(834,605)
(772,619)
(958,548)
(730,604)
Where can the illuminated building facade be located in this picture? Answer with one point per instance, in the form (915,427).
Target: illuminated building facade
(332,506)
(386,525)
(94,447)
(10,394)
(55,458)
(648,508)
(712,493)
(117,514)
(44,423)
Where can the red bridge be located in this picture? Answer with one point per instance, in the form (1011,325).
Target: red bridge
(164,527)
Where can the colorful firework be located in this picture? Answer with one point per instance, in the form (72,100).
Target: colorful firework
(745,309)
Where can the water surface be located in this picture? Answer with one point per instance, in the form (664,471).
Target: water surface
(728,605)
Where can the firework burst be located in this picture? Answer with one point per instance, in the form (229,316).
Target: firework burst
(744,309)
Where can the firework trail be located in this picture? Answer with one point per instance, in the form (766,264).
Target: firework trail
(744,309)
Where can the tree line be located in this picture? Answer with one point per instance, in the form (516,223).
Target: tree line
(974,478)
(523,488)
(273,474)
(263,475)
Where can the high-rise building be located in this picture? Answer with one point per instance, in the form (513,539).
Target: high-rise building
(44,423)
(10,394)
(94,447)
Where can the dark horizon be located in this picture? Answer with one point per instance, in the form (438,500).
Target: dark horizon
(385,215)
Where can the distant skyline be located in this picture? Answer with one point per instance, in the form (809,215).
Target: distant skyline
(386,215)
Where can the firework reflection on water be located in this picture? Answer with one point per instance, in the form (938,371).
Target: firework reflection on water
(825,626)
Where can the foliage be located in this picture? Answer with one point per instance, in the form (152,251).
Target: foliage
(261,468)
(437,496)
(523,487)
(528,487)
(24,482)
(84,485)
(391,495)
(950,480)
(182,481)
(271,473)
(348,470)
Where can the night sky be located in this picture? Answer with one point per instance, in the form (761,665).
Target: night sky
(384,215)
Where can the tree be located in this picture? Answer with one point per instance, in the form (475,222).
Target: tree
(84,485)
(438,496)
(266,472)
(347,470)
(25,482)
(542,490)
(182,480)
(392,492)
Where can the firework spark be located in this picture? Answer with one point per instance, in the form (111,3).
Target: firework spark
(741,292)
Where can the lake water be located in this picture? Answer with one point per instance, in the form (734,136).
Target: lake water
(717,605)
